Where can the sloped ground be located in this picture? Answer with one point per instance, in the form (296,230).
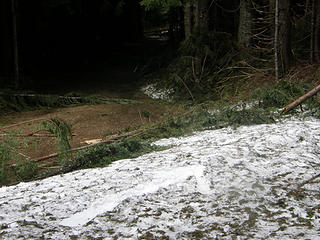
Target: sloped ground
(253,182)
(130,108)
(87,122)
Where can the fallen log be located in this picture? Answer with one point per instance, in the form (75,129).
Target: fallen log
(110,140)
(301,99)
(72,150)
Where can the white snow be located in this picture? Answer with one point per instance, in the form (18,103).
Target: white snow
(155,93)
(161,179)
(244,183)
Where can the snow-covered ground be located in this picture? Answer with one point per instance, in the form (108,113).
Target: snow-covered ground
(244,183)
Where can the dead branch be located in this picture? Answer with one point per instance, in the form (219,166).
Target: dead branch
(301,99)
(185,86)
(203,65)
(194,73)
(19,153)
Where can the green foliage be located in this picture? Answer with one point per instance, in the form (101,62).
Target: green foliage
(7,153)
(280,94)
(26,170)
(235,117)
(5,156)
(61,130)
(196,72)
(201,118)
(104,155)
(198,118)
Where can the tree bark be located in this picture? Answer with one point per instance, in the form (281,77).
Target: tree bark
(187,19)
(201,15)
(276,39)
(284,35)
(312,30)
(245,24)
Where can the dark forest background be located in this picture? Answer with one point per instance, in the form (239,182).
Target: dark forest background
(39,37)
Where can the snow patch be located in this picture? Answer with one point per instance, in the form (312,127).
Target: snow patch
(161,179)
(155,93)
(249,182)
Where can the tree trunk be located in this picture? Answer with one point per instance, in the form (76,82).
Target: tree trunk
(15,45)
(312,30)
(187,19)
(201,16)
(317,31)
(301,99)
(284,35)
(276,39)
(245,24)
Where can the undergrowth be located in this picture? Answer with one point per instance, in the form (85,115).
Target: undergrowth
(104,155)
(281,94)
(195,73)
(263,109)
(61,130)
(198,118)
(26,170)
(25,102)
(9,153)
(5,156)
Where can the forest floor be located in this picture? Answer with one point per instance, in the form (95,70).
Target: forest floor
(130,108)
(250,182)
